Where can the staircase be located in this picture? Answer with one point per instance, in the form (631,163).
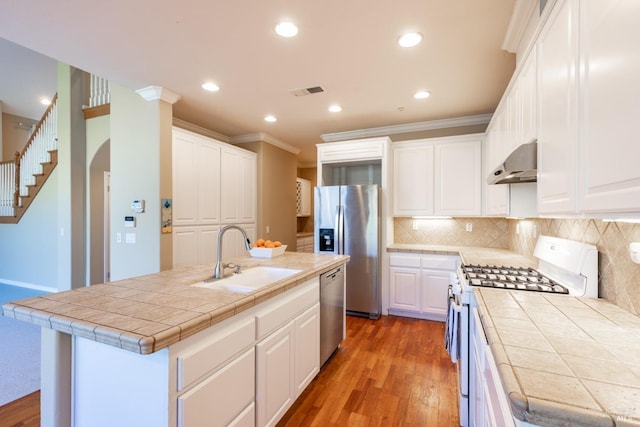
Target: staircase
(21,179)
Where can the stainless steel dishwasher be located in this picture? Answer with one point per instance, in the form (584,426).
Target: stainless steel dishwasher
(331,312)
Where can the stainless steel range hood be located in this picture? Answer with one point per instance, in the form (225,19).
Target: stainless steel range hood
(520,166)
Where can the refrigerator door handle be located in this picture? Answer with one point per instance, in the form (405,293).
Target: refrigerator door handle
(340,231)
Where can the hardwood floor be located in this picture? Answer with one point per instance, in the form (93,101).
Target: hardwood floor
(24,412)
(388,372)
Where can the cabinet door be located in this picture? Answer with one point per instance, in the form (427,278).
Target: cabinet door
(307,348)
(275,388)
(238,185)
(185,177)
(404,288)
(413,180)
(435,292)
(303,197)
(222,396)
(458,186)
(208,183)
(558,131)
(527,81)
(496,197)
(185,246)
(233,242)
(610,65)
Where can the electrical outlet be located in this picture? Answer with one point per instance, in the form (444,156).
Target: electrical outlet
(415,226)
(469,227)
(268,230)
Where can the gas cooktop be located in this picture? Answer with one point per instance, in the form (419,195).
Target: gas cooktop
(525,279)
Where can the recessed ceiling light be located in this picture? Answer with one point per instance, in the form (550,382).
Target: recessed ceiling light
(45,101)
(270,118)
(421,94)
(335,108)
(410,39)
(286,29)
(210,86)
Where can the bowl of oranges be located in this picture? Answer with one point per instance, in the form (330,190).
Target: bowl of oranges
(267,248)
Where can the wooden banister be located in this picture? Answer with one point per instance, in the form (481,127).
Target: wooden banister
(39,125)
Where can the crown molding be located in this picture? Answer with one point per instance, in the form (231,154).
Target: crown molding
(522,12)
(407,128)
(261,136)
(154,93)
(200,130)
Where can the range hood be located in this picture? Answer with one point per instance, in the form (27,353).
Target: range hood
(520,166)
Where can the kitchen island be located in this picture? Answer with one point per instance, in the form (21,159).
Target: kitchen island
(150,350)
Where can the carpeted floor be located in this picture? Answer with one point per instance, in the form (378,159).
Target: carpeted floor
(19,349)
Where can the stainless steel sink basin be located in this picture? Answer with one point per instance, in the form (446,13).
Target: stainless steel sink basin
(250,279)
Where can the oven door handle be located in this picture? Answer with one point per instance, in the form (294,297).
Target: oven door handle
(457,307)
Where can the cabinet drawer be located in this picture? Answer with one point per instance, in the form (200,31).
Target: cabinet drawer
(293,302)
(221,397)
(440,262)
(404,261)
(220,347)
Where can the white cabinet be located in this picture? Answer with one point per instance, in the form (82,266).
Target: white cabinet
(213,184)
(239,184)
(288,353)
(303,197)
(195,244)
(558,119)
(438,176)
(609,174)
(196,179)
(307,348)
(458,177)
(222,397)
(418,284)
(589,109)
(513,123)
(413,167)
(275,383)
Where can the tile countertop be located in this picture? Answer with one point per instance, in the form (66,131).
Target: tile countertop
(469,255)
(564,361)
(147,313)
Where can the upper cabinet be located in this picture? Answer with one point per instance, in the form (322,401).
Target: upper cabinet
(558,119)
(514,123)
(214,184)
(609,176)
(588,107)
(437,176)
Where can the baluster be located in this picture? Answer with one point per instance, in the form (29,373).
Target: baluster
(16,194)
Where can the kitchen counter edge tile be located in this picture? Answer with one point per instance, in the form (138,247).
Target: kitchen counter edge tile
(147,313)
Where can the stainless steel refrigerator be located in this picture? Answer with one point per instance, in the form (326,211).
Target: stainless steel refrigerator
(347,221)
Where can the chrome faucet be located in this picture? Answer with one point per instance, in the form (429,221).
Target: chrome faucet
(218,271)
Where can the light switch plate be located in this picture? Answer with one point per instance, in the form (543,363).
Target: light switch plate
(634,252)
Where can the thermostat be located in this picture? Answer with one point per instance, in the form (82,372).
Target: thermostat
(137,206)
(129,221)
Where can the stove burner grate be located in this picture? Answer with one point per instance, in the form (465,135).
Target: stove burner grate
(524,279)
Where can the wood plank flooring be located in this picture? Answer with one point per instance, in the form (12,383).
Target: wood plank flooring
(388,372)
(24,412)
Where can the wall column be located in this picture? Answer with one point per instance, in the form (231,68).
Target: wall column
(141,126)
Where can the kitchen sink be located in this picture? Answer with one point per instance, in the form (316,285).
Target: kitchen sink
(250,279)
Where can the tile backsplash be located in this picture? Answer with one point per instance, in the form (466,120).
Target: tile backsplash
(619,278)
(485,232)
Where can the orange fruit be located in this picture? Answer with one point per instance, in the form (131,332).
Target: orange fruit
(277,244)
(259,243)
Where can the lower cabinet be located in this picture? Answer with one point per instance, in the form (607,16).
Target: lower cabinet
(286,362)
(244,371)
(418,284)
(222,398)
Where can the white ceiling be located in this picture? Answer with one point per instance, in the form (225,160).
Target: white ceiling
(346,46)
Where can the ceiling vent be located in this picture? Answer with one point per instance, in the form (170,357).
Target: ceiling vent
(307,91)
